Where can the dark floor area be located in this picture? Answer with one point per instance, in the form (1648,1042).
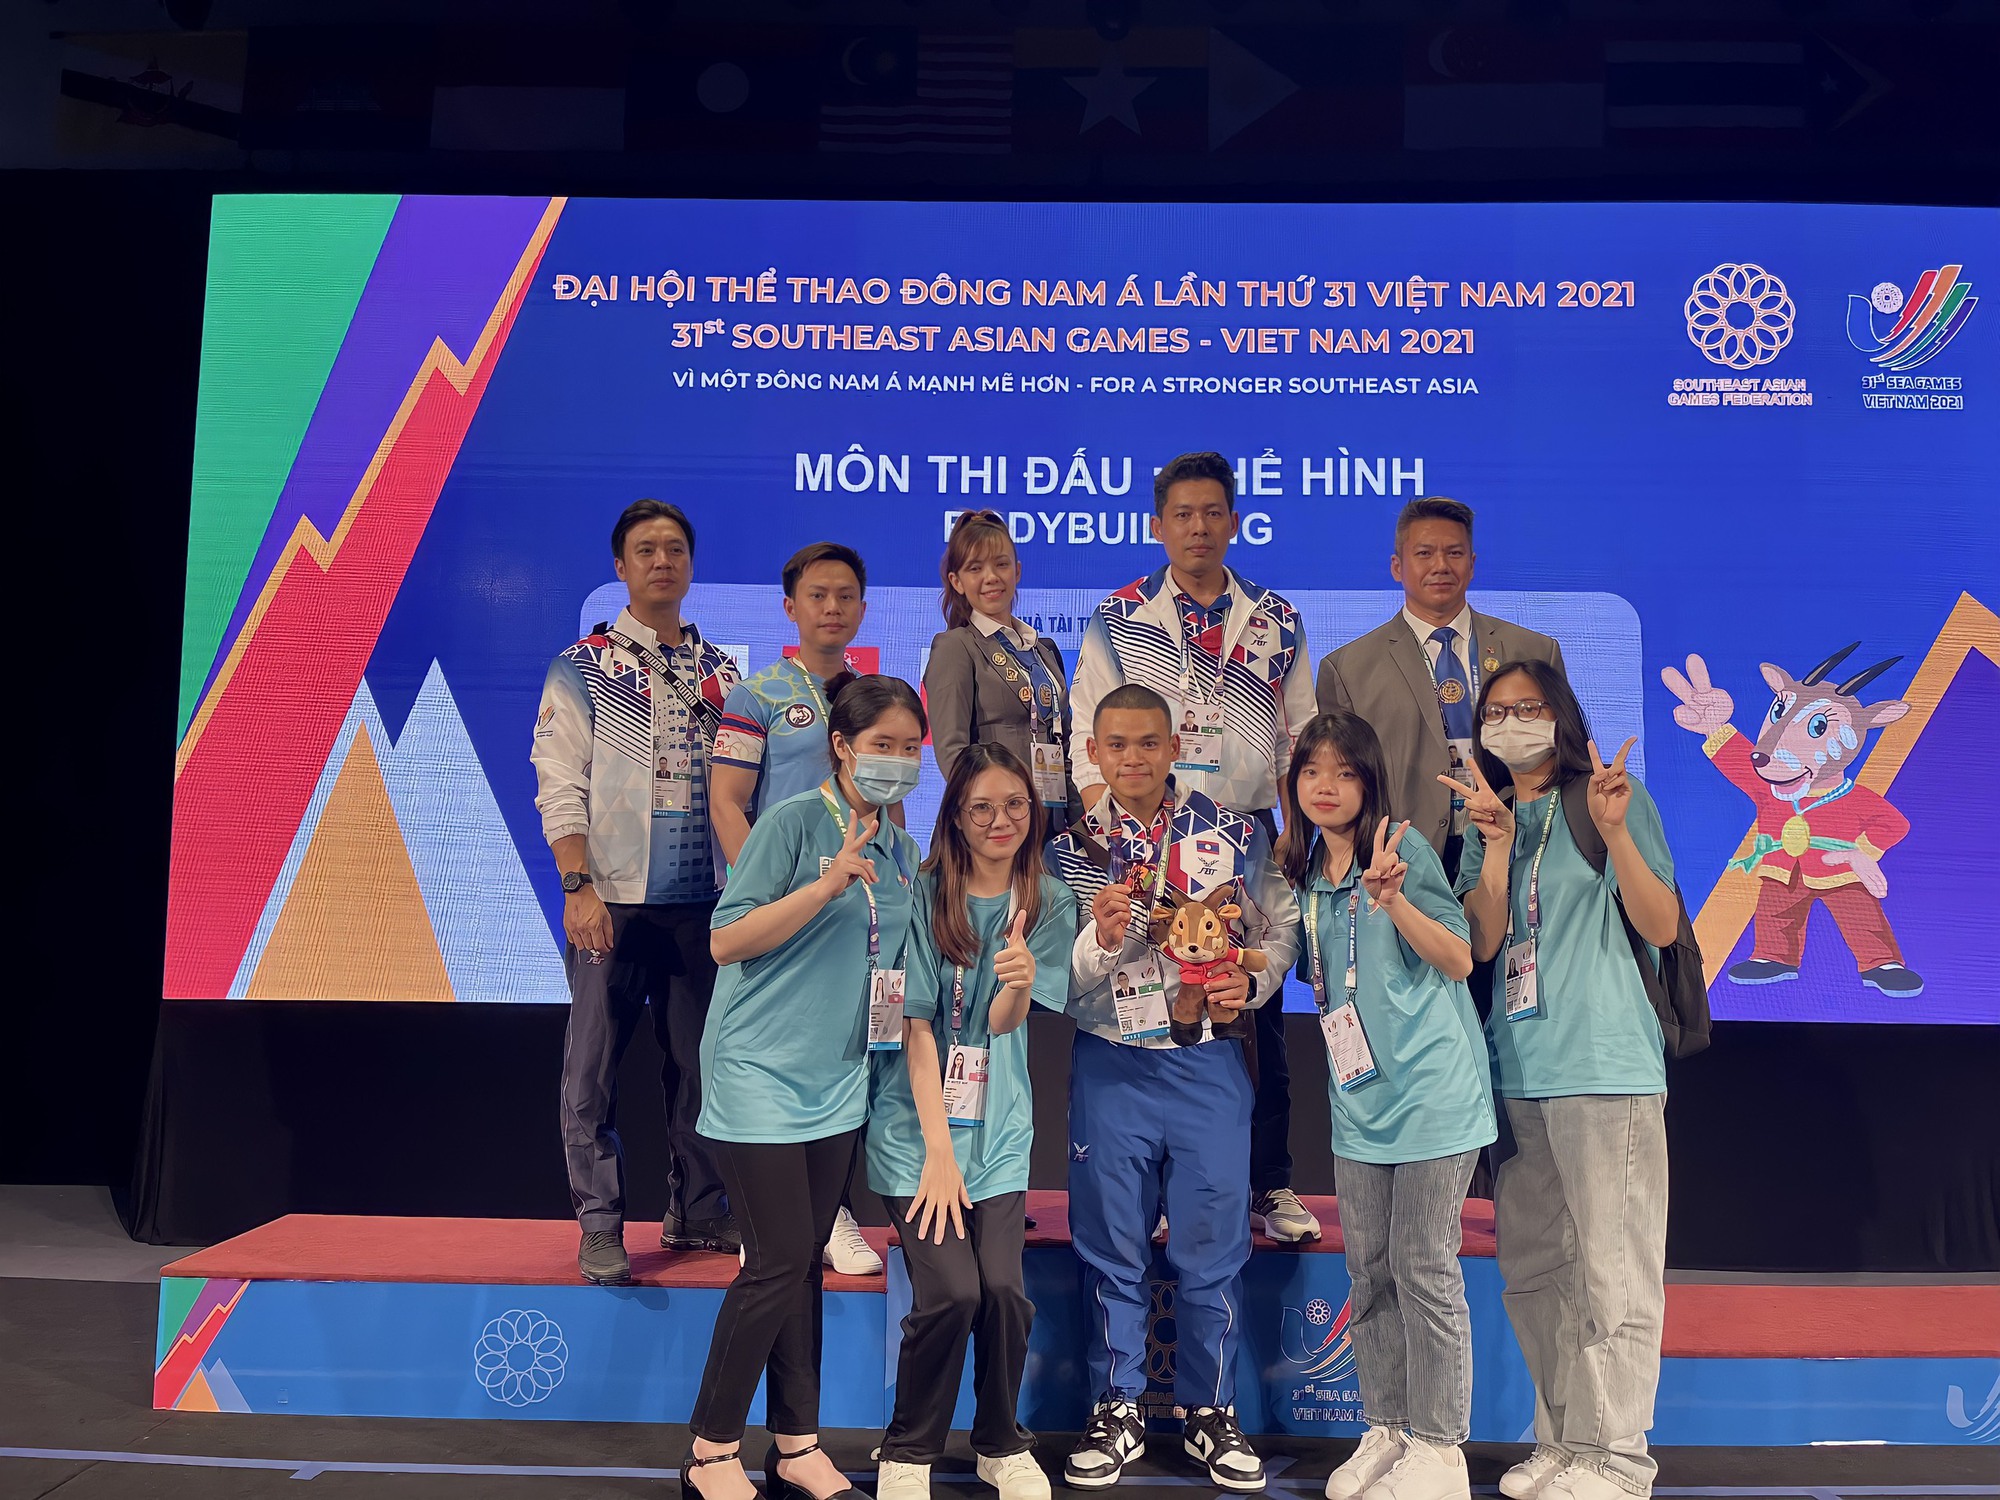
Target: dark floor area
(76,1382)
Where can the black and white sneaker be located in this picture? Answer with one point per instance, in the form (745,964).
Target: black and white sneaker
(1213,1439)
(1116,1435)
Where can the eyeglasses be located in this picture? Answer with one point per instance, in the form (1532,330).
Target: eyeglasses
(981,814)
(1527,711)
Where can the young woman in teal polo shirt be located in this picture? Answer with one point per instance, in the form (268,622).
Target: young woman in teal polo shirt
(951,1122)
(1386,948)
(1581,1206)
(810,933)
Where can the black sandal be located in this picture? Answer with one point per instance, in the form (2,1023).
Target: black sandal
(777,1487)
(692,1491)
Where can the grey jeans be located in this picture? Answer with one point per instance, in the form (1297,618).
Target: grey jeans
(1581,1214)
(1412,1333)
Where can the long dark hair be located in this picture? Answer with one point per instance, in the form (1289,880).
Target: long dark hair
(1572,729)
(861,704)
(1352,739)
(951,858)
(972,532)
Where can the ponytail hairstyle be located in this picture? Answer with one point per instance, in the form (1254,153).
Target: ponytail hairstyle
(951,858)
(1352,740)
(860,703)
(974,531)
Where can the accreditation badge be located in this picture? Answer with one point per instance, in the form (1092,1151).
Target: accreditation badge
(885,1010)
(1347,1050)
(1524,997)
(1201,738)
(965,1085)
(1051,775)
(1139,992)
(1460,755)
(673,783)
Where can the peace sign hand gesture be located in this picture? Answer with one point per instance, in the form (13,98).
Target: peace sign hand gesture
(1610,788)
(1014,965)
(1484,810)
(1705,707)
(851,864)
(1383,879)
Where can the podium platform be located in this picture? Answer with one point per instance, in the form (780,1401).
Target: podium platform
(487,1318)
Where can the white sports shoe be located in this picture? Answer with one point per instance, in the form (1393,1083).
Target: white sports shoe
(1530,1478)
(1283,1218)
(894,1481)
(848,1253)
(1424,1472)
(1579,1483)
(1016,1477)
(1379,1450)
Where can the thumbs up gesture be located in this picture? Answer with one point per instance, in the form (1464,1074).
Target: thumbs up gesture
(1014,965)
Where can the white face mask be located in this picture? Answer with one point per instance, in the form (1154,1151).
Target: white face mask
(1518,746)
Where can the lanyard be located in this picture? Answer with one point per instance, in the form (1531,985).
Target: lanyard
(874,916)
(1318,965)
(1164,821)
(1187,653)
(1032,664)
(1551,797)
(699,710)
(958,974)
(819,701)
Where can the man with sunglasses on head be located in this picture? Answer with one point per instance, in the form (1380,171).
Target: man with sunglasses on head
(1416,678)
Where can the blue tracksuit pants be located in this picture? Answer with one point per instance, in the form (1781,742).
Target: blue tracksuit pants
(1148,1126)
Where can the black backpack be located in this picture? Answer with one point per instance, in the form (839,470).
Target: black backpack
(1678,988)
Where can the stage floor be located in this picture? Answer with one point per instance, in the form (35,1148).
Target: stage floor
(76,1421)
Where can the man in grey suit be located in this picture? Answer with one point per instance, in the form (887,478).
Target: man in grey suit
(1416,679)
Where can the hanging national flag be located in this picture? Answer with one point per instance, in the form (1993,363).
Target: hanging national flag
(164,94)
(896,91)
(1076,92)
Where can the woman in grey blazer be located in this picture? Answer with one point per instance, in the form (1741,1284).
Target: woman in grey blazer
(992,679)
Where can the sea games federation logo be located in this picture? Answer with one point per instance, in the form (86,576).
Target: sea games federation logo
(1739,316)
(1899,332)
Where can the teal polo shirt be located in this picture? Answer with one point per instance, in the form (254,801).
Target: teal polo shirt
(1432,1092)
(1595,1032)
(992,1157)
(784,1056)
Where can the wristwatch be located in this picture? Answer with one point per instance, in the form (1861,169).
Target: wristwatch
(574,881)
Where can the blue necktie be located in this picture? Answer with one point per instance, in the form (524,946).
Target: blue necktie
(1454,692)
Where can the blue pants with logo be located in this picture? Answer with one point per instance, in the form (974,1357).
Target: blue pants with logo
(1148,1126)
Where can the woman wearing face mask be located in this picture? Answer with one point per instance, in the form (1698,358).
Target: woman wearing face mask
(810,935)
(1387,953)
(951,1122)
(991,678)
(1581,1206)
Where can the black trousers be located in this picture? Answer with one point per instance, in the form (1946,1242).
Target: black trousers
(659,962)
(784,1196)
(962,1288)
(1271,1112)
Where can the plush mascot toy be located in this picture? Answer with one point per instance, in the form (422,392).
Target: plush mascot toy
(1198,940)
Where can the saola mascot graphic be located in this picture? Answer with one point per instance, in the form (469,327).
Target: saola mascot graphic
(1820,836)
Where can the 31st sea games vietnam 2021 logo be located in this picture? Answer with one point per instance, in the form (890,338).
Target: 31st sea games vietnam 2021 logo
(1900,331)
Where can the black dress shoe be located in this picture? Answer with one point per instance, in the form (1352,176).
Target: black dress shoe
(719,1234)
(777,1487)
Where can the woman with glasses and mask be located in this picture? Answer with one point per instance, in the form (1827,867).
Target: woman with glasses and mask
(810,935)
(992,679)
(1581,1206)
(951,1121)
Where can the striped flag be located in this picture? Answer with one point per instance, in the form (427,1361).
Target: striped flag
(928,92)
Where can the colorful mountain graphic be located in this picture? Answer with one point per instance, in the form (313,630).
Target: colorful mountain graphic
(402,882)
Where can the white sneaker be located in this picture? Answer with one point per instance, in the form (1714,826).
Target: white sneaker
(1579,1483)
(848,1253)
(1283,1218)
(1016,1477)
(894,1481)
(1531,1476)
(1379,1450)
(1424,1472)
